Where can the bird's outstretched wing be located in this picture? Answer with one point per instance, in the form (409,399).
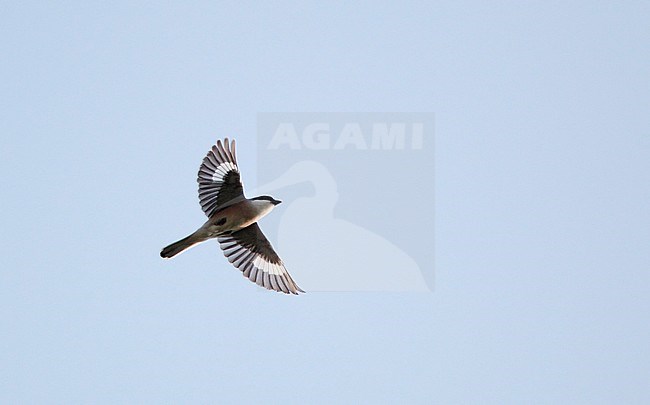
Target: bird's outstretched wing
(219,180)
(250,251)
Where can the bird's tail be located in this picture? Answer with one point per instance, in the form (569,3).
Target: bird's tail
(183,244)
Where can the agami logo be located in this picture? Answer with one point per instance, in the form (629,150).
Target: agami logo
(342,178)
(352,135)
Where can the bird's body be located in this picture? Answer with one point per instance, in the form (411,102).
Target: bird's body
(245,213)
(232,219)
(224,222)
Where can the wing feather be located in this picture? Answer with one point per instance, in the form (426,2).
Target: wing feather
(250,252)
(219,178)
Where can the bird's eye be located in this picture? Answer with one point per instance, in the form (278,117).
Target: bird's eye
(221,221)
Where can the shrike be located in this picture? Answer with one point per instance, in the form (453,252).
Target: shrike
(232,219)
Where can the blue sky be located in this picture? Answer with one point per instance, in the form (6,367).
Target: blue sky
(541,180)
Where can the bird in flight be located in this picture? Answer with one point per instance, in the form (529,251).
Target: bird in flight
(232,219)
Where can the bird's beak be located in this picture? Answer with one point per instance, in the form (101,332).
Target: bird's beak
(276,202)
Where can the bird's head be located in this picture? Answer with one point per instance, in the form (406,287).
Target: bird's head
(268,198)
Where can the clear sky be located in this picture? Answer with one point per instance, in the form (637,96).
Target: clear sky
(542,226)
